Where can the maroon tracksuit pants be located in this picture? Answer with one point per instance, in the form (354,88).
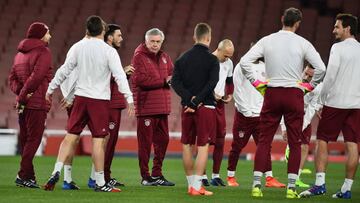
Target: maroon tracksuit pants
(243,129)
(114,125)
(152,130)
(280,101)
(32,126)
(220,137)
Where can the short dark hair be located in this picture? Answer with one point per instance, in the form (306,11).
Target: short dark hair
(110,31)
(201,29)
(95,25)
(348,20)
(291,16)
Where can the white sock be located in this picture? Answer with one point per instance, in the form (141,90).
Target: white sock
(231,173)
(320,178)
(196,184)
(215,175)
(347,185)
(57,168)
(204,177)
(292,177)
(99,178)
(190,180)
(257,178)
(268,174)
(92,173)
(67,173)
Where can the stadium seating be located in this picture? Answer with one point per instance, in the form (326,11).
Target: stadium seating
(242,21)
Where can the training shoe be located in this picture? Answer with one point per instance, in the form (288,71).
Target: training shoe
(340,195)
(106,188)
(149,182)
(202,191)
(273,182)
(91,183)
(161,181)
(26,183)
(231,181)
(217,182)
(306,171)
(292,194)
(300,183)
(205,182)
(116,183)
(314,190)
(256,192)
(70,186)
(50,184)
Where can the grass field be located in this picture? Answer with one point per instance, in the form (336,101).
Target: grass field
(126,170)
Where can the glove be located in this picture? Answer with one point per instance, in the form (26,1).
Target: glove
(306,87)
(260,86)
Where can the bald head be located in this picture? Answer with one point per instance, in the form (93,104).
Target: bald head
(224,50)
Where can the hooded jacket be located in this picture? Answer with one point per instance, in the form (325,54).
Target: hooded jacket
(149,82)
(31,73)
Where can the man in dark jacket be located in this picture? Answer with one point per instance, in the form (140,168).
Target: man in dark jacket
(195,76)
(29,80)
(151,90)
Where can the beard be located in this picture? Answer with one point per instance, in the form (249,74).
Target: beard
(115,46)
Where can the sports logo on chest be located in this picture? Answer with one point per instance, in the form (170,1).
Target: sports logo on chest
(164,60)
(147,122)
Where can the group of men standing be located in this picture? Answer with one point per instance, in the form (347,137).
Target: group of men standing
(268,85)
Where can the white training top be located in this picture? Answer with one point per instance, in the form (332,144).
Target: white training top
(226,70)
(342,83)
(284,53)
(248,101)
(68,86)
(311,105)
(95,61)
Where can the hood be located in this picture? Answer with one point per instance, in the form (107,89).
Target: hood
(142,49)
(27,45)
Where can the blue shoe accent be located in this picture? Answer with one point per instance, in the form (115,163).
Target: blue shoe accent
(340,195)
(91,183)
(314,190)
(217,182)
(70,186)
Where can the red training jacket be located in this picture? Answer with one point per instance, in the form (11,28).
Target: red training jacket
(31,73)
(151,93)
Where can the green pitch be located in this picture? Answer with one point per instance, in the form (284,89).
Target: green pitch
(126,170)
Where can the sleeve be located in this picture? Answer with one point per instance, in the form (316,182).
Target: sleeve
(142,78)
(229,80)
(37,76)
(119,75)
(64,72)
(170,66)
(331,72)
(14,85)
(178,85)
(211,83)
(313,57)
(256,52)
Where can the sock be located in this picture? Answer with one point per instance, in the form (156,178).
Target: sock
(196,184)
(231,173)
(67,173)
(190,180)
(204,177)
(347,185)
(268,174)
(292,177)
(57,168)
(92,174)
(257,178)
(99,178)
(215,175)
(320,178)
